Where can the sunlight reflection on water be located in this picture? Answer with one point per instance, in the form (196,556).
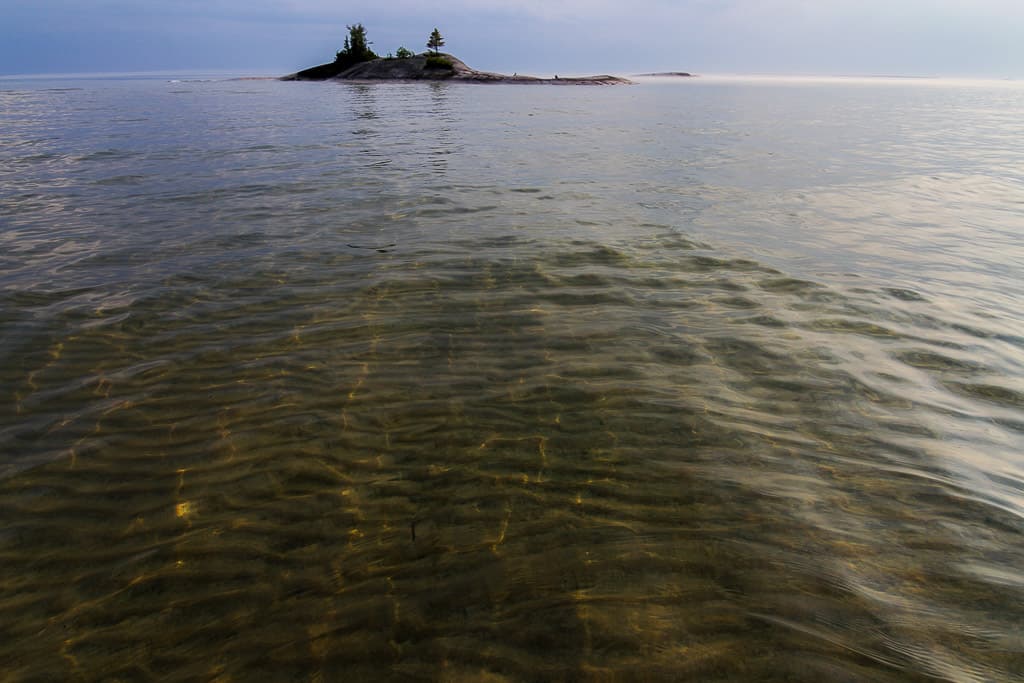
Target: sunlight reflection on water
(696,382)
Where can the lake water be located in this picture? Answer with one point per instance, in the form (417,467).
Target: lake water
(715,379)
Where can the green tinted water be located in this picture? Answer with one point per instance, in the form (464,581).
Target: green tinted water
(457,383)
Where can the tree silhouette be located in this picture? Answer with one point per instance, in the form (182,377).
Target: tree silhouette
(436,41)
(357,48)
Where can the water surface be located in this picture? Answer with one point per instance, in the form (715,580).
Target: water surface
(702,380)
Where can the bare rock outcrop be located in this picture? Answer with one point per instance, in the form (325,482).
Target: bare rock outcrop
(431,67)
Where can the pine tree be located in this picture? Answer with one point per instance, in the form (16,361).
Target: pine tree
(357,48)
(436,41)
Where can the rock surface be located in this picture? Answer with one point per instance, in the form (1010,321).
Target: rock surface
(419,68)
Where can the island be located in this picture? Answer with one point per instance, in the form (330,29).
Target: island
(675,74)
(356,62)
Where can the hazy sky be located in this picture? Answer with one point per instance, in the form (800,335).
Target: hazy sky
(908,37)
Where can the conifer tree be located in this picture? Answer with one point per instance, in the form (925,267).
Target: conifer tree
(356,49)
(436,41)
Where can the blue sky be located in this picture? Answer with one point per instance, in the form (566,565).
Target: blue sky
(828,37)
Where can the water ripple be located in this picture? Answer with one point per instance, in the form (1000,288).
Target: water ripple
(353,384)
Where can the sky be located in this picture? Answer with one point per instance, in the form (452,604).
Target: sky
(971,38)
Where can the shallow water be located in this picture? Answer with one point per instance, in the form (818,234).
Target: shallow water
(710,380)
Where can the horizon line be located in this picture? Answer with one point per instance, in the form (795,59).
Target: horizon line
(273,73)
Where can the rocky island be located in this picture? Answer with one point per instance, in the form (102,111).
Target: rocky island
(356,62)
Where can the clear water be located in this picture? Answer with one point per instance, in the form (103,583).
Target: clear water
(702,380)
